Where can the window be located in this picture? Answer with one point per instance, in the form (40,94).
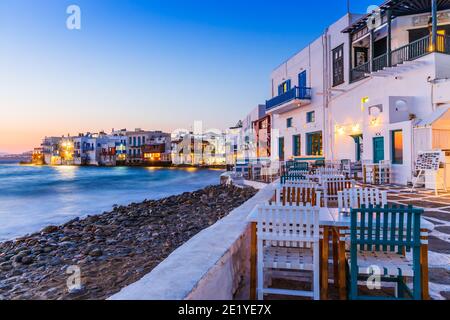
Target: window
(296,146)
(338,65)
(284,87)
(314,143)
(134,141)
(143,140)
(397,147)
(139,141)
(311,117)
(289,123)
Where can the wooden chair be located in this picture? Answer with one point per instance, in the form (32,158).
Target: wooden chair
(242,170)
(332,185)
(379,237)
(288,242)
(354,198)
(299,194)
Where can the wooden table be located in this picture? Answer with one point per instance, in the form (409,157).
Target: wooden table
(342,226)
(327,224)
(333,223)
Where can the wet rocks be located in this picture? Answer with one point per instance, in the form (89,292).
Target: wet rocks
(112,250)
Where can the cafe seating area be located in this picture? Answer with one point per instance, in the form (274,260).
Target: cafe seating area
(323,227)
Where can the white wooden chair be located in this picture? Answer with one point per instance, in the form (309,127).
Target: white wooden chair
(288,241)
(332,185)
(355,198)
(256,172)
(299,194)
(328,171)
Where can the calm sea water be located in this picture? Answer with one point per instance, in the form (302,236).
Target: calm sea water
(33,197)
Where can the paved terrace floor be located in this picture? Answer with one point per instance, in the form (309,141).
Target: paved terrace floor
(437,211)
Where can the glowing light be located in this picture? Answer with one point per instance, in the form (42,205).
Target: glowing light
(363,102)
(356,128)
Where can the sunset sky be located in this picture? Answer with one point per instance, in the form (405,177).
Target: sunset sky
(154,64)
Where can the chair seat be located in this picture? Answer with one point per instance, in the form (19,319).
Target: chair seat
(288,258)
(391,264)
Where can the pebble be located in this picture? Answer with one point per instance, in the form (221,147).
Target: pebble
(111,250)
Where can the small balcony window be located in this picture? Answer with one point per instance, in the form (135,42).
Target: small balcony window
(311,117)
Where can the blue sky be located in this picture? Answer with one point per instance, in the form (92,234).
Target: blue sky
(154,64)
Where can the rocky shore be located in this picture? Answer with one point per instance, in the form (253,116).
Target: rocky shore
(111,250)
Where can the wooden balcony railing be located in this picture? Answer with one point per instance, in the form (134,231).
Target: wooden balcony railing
(409,52)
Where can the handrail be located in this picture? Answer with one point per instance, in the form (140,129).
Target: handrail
(411,51)
(380,62)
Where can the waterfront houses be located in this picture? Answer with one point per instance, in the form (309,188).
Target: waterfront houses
(148,147)
(371,88)
(120,147)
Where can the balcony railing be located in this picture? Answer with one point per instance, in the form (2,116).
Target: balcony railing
(409,52)
(295,93)
(360,72)
(380,62)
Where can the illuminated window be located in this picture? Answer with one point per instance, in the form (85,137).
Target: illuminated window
(397,147)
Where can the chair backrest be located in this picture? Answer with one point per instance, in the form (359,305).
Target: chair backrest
(332,185)
(328,171)
(394,229)
(299,195)
(295,165)
(355,198)
(290,226)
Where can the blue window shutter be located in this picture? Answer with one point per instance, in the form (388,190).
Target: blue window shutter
(289,85)
(280,89)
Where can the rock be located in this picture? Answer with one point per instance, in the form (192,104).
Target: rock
(96,253)
(49,229)
(6,266)
(27,260)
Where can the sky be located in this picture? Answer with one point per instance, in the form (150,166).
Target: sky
(151,64)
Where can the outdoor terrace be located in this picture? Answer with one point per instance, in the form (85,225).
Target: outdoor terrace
(222,261)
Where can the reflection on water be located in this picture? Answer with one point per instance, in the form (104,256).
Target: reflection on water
(32,197)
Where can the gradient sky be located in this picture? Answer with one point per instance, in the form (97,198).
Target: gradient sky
(153,64)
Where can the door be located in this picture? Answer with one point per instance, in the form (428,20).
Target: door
(296,145)
(378,149)
(281,149)
(302,84)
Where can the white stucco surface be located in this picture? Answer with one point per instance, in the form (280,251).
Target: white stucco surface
(213,265)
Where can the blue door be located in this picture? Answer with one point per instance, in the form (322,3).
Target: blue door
(281,148)
(302,84)
(378,149)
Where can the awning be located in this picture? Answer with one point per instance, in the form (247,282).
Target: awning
(399,8)
(440,117)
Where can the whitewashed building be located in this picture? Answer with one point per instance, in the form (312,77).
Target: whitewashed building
(373,87)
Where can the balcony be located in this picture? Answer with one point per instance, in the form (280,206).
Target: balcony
(294,98)
(402,55)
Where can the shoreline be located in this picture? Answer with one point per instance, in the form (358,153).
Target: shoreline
(113,249)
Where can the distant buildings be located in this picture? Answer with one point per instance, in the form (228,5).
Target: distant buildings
(120,147)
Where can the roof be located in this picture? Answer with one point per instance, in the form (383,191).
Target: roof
(399,8)
(435,116)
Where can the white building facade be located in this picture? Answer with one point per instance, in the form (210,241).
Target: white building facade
(366,89)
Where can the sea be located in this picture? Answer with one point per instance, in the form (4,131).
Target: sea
(32,197)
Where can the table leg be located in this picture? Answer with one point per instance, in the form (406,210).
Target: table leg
(253,258)
(324,271)
(336,258)
(342,272)
(424,267)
